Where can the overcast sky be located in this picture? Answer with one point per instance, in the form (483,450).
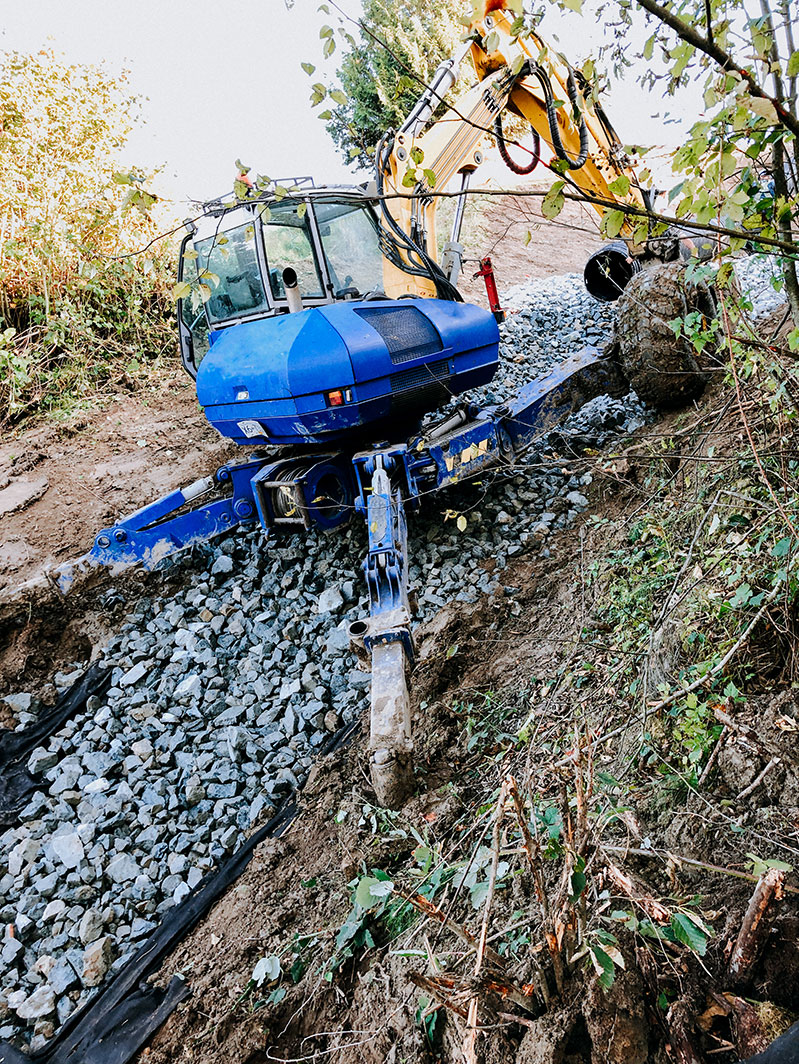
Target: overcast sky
(223,81)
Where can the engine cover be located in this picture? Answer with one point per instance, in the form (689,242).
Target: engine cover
(354,369)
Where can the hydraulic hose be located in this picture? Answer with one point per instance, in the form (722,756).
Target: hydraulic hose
(394,239)
(552,118)
(503,150)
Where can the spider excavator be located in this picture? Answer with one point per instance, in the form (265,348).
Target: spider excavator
(322,329)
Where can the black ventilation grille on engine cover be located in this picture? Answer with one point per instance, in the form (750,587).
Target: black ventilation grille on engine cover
(406,332)
(422,387)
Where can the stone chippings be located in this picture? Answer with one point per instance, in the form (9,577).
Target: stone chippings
(221,696)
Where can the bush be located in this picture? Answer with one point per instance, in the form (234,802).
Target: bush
(74,315)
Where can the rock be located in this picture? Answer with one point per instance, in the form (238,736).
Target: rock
(23,854)
(576,499)
(62,977)
(40,1003)
(53,909)
(90,926)
(19,702)
(142,748)
(68,849)
(223,564)
(195,791)
(132,676)
(122,868)
(330,600)
(191,687)
(96,961)
(10,950)
(41,760)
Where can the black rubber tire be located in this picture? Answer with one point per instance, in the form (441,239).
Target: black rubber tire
(662,368)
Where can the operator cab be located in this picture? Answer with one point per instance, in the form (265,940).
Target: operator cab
(232,263)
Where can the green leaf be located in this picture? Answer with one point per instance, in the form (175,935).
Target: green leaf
(266,970)
(181,290)
(612,223)
(338,96)
(301,210)
(687,931)
(371,891)
(578,884)
(792,69)
(417,155)
(649,48)
(329,47)
(491,43)
(742,595)
(621,186)
(573,5)
(430,178)
(409,178)
(760,866)
(603,966)
(326,116)
(309,68)
(318,93)
(479,893)
(552,203)
(782,547)
(241,168)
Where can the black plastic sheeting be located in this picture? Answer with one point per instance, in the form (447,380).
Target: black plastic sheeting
(783,1050)
(16,783)
(115,1025)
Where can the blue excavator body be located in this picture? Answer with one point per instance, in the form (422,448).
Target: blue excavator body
(345,370)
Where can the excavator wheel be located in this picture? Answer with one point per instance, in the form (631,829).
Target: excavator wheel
(663,369)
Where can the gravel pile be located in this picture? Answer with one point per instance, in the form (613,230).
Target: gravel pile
(757,275)
(221,695)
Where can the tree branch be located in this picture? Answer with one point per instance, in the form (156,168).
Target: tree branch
(720,56)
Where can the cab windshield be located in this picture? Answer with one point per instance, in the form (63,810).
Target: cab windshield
(352,251)
(288,242)
(227,263)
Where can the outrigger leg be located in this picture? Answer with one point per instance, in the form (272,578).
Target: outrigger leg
(386,636)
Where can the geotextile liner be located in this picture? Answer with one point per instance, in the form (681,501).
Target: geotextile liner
(115,1025)
(16,782)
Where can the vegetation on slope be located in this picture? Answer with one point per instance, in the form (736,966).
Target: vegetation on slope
(81,310)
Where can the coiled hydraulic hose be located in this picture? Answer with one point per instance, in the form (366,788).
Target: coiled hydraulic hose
(552,118)
(503,150)
(393,238)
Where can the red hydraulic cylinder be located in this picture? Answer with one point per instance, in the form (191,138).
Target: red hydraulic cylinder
(486,271)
